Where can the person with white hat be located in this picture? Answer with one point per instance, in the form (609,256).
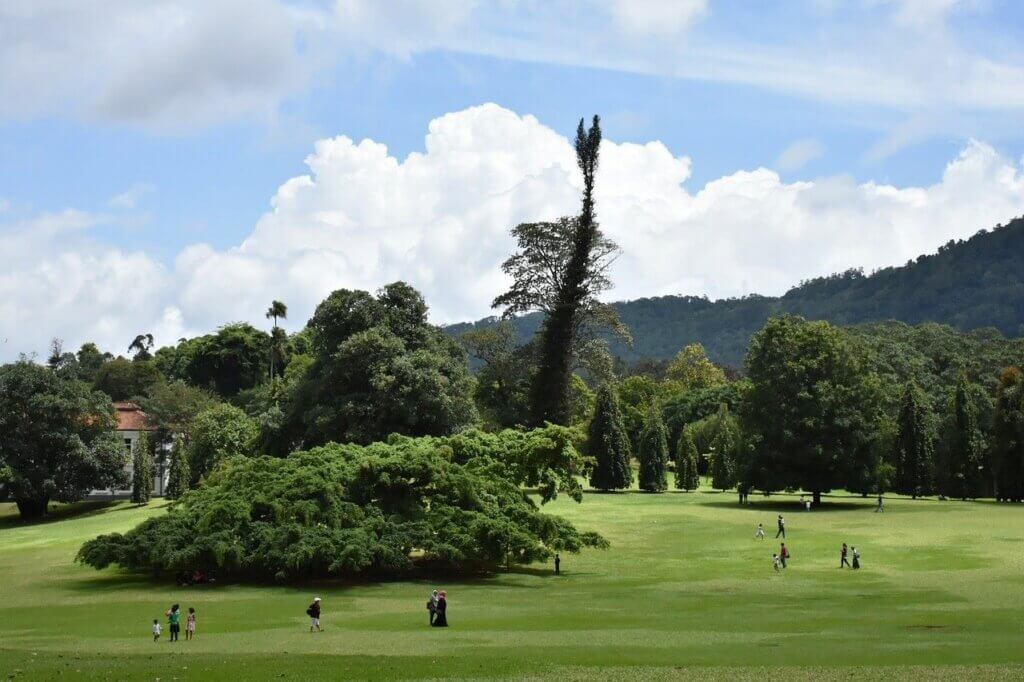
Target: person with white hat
(314,615)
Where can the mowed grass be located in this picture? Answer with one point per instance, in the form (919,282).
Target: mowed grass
(684,591)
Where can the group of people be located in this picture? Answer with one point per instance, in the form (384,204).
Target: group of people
(173,616)
(779,560)
(437,605)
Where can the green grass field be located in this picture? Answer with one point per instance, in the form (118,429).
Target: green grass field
(684,591)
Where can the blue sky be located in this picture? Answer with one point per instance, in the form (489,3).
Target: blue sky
(149,140)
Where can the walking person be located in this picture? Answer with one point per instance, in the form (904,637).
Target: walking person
(783,554)
(558,564)
(776,564)
(314,615)
(174,620)
(759,535)
(190,624)
(880,506)
(441,621)
(782,531)
(856,559)
(842,557)
(432,605)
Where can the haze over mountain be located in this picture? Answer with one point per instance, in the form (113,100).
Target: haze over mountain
(967,284)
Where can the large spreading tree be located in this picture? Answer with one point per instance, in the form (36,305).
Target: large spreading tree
(56,438)
(810,409)
(608,444)
(350,510)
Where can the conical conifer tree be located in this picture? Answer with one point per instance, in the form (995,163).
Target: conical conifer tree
(653,452)
(1008,436)
(178,477)
(914,456)
(142,469)
(723,449)
(963,446)
(687,477)
(608,444)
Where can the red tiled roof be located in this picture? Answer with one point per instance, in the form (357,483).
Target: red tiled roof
(130,417)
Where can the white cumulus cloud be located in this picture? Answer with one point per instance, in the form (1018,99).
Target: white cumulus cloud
(440,218)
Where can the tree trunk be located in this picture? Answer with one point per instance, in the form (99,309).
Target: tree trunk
(32,508)
(817,497)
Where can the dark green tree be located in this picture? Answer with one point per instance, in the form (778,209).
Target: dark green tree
(724,449)
(56,439)
(811,410)
(123,379)
(653,452)
(379,368)
(1008,436)
(90,359)
(179,477)
(687,477)
(914,454)
(608,444)
(962,469)
(503,381)
(142,469)
(141,344)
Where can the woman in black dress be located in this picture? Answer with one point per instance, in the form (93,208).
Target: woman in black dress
(441,610)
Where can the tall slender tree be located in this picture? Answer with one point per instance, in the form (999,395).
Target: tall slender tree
(550,390)
(653,452)
(724,447)
(914,454)
(276,310)
(608,444)
(1008,436)
(142,469)
(961,473)
(179,475)
(687,477)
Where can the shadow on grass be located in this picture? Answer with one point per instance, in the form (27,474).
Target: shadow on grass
(64,512)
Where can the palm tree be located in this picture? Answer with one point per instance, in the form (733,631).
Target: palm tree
(275,311)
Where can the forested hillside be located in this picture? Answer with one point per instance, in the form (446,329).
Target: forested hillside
(967,284)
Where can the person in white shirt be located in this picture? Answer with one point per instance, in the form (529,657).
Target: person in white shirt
(760,532)
(156,629)
(776,562)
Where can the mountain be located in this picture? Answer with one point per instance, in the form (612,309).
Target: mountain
(968,284)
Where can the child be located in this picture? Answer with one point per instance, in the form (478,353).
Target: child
(856,558)
(156,629)
(776,563)
(760,532)
(190,624)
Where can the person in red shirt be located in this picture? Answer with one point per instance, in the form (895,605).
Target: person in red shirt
(783,554)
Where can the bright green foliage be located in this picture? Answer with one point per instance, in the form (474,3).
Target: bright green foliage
(581,401)
(123,379)
(379,368)
(142,469)
(635,394)
(346,510)
(653,452)
(1008,436)
(56,438)
(171,406)
(914,454)
(217,433)
(687,477)
(179,476)
(608,445)
(961,472)
(692,370)
(811,410)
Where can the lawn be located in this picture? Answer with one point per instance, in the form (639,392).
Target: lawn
(684,591)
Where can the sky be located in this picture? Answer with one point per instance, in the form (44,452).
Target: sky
(170,166)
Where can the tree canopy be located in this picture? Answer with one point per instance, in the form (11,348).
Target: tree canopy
(348,510)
